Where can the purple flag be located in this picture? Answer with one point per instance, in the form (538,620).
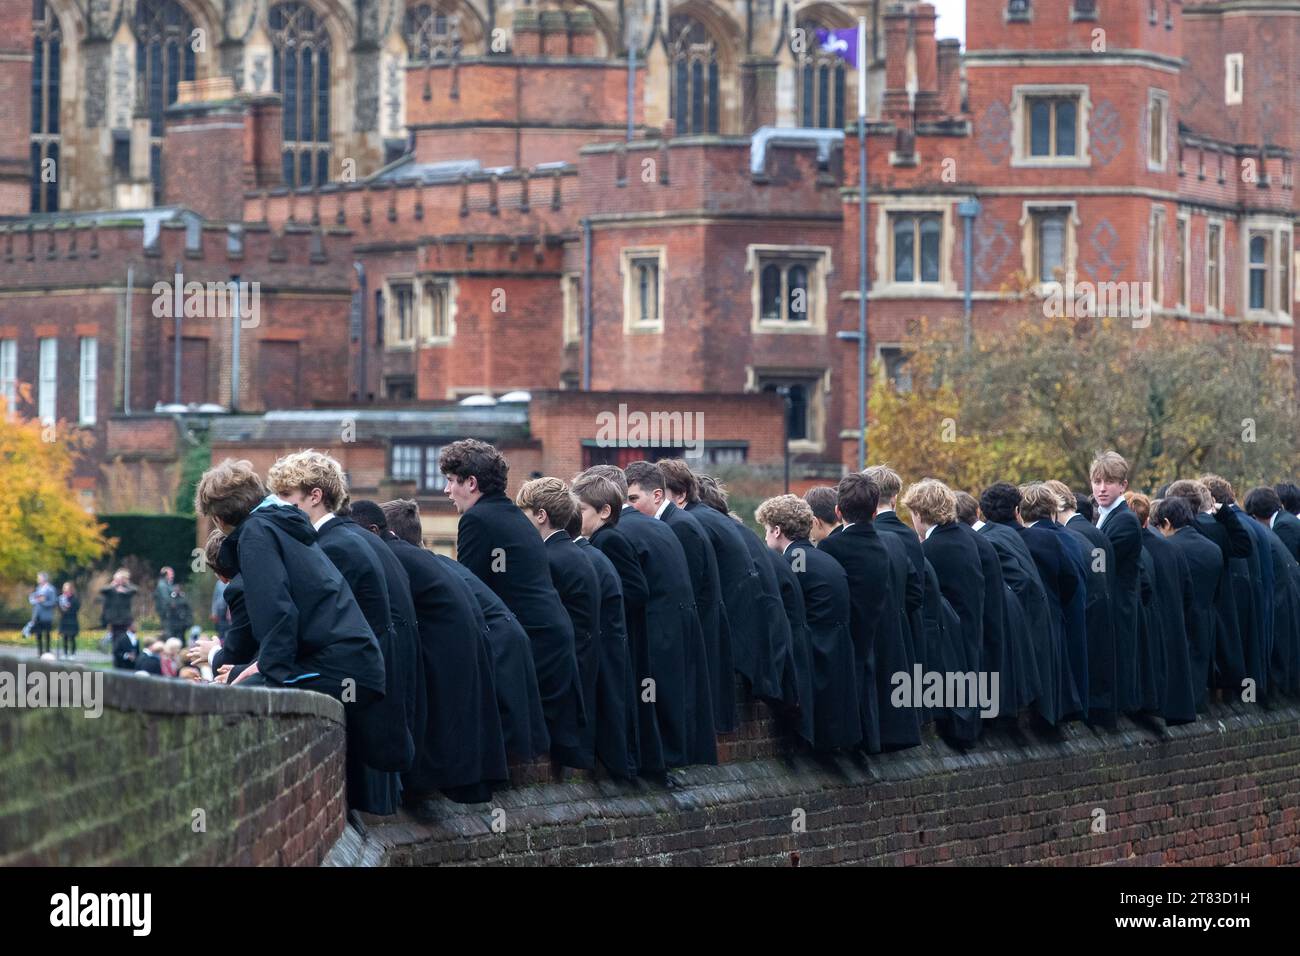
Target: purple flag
(843,43)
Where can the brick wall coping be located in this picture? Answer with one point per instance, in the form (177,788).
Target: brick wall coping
(154,695)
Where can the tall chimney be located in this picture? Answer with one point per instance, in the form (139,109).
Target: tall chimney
(949,64)
(897,105)
(927,70)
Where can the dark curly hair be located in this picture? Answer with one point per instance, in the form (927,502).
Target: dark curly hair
(469,456)
(999,502)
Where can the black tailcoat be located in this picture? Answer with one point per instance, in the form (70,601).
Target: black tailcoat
(612,704)
(1060,567)
(498,543)
(1258,649)
(703,565)
(579,589)
(523,722)
(801,655)
(878,572)
(1287,527)
(380,730)
(1234,543)
(1284,673)
(920,630)
(464,751)
(1036,649)
(1125,533)
(836,722)
(1172,609)
(1205,566)
(955,556)
(644,753)
(756,630)
(1102,673)
(678,666)
(304,617)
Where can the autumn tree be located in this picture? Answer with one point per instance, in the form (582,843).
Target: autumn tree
(1041,396)
(42,526)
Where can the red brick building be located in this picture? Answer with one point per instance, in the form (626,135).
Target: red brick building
(439,200)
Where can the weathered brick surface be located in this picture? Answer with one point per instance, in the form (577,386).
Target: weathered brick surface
(1220,791)
(265,767)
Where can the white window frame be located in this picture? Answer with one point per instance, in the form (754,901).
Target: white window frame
(1156,255)
(628,259)
(1278,257)
(394,342)
(1021,94)
(1219,288)
(1155,96)
(816,259)
(47,377)
(1030,213)
(423,305)
(1234,78)
(1185,254)
(883,285)
(9,376)
(88,381)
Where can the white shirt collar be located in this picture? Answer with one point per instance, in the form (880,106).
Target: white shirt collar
(1103,513)
(662,508)
(1272,518)
(320,522)
(929,531)
(1032,523)
(552,535)
(978,524)
(884,509)
(847,525)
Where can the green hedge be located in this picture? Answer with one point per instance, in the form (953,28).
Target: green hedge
(156,539)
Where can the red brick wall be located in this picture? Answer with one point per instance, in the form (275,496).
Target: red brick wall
(271,792)
(1214,793)
(561,420)
(203,153)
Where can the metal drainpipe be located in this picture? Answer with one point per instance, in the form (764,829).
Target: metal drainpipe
(586,305)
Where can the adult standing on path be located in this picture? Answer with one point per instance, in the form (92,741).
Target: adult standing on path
(43,601)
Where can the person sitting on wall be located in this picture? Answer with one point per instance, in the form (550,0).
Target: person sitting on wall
(308,627)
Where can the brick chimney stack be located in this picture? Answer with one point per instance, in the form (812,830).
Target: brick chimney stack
(949,64)
(217,144)
(926,59)
(897,103)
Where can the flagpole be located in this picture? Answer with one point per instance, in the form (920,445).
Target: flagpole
(862,243)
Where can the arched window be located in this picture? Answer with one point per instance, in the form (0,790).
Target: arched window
(821,81)
(693,99)
(431,32)
(164,56)
(302,77)
(46,40)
